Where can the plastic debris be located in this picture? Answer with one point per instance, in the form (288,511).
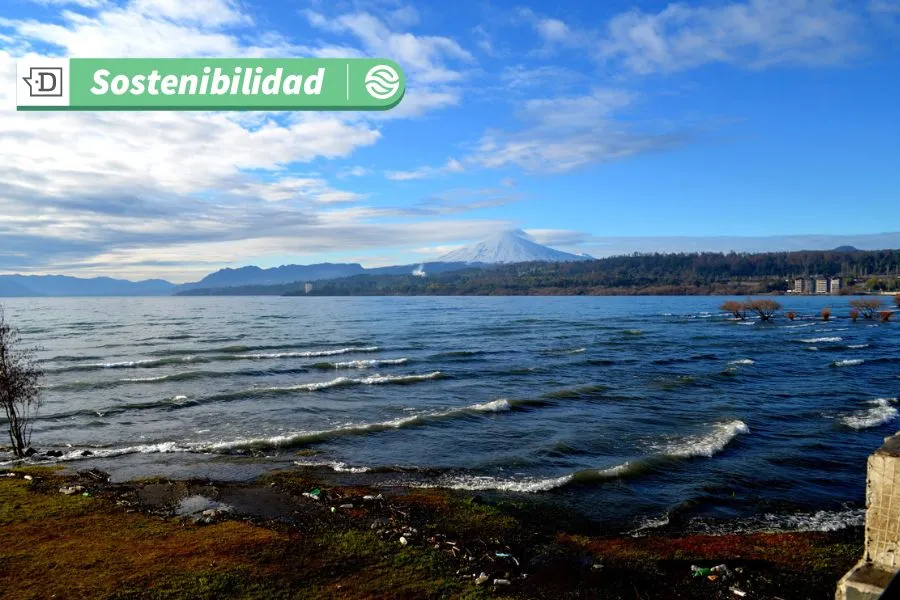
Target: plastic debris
(738,592)
(346,506)
(86,494)
(481,579)
(700,571)
(315,492)
(68,491)
(28,478)
(333,509)
(502,554)
(719,569)
(712,577)
(501,582)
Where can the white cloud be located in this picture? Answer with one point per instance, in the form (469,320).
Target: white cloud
(157,192)
(754,34)
(425,57)
(558,134)
(451,166)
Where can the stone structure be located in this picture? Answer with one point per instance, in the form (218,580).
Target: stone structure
(881,558)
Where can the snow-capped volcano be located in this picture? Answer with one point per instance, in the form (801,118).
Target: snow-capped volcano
(509,247)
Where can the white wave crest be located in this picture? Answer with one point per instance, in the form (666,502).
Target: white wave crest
(337,467)
(822,340)
(881,412)
(858,346)
(709,444)
(742,361)
(310,354)
(368,364)
(341,381)
(819,521)
(492,406)
(484,483)
(852,362)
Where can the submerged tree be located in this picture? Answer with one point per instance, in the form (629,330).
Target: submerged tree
(735,308)
(764,308)
(19,390)
(868,307)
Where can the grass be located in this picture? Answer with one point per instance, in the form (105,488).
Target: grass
(87,547)
(57,546)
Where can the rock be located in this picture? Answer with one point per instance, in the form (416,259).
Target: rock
(481,579)
(30,452)
(53,453)
(73,489)
(28,478)
(403,541)
(86,453)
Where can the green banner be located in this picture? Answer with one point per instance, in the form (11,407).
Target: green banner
(209,84)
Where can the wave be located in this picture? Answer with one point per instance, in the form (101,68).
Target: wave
(150,363)
(881,412)
(562,351)
(295,438)
(336,466)
(578,393)
(742,361)
(309,354)
(132,364)
(822,340)
(345,381)
(361,364)
(852,362)
(306,437)
(707,445)
(857,346)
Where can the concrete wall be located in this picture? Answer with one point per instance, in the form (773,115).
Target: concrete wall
(881,558)
(883,506)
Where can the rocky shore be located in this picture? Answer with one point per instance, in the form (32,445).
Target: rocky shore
(297,534)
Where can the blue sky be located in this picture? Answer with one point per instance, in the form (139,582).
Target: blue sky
(597,127)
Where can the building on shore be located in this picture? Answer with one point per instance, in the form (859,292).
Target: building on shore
(836,285)
(822,285)
(307,287)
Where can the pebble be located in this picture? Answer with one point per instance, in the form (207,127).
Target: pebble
(403,541)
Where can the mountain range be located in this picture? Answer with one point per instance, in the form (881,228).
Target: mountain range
(505,247)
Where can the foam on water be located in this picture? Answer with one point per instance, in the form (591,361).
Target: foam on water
(309,354)
(882,411)
(709,444)
(858,346)
(851,362)
(368,364)
(822,340)
(742,361)
(344,381)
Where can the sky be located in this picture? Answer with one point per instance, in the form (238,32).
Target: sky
(596,127)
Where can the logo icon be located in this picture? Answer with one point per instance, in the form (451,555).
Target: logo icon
(382,82)
(45,81)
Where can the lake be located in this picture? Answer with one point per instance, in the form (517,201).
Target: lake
(635,411)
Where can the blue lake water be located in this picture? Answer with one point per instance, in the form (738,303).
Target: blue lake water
(633,411)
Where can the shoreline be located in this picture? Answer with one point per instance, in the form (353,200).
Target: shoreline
(297,533)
